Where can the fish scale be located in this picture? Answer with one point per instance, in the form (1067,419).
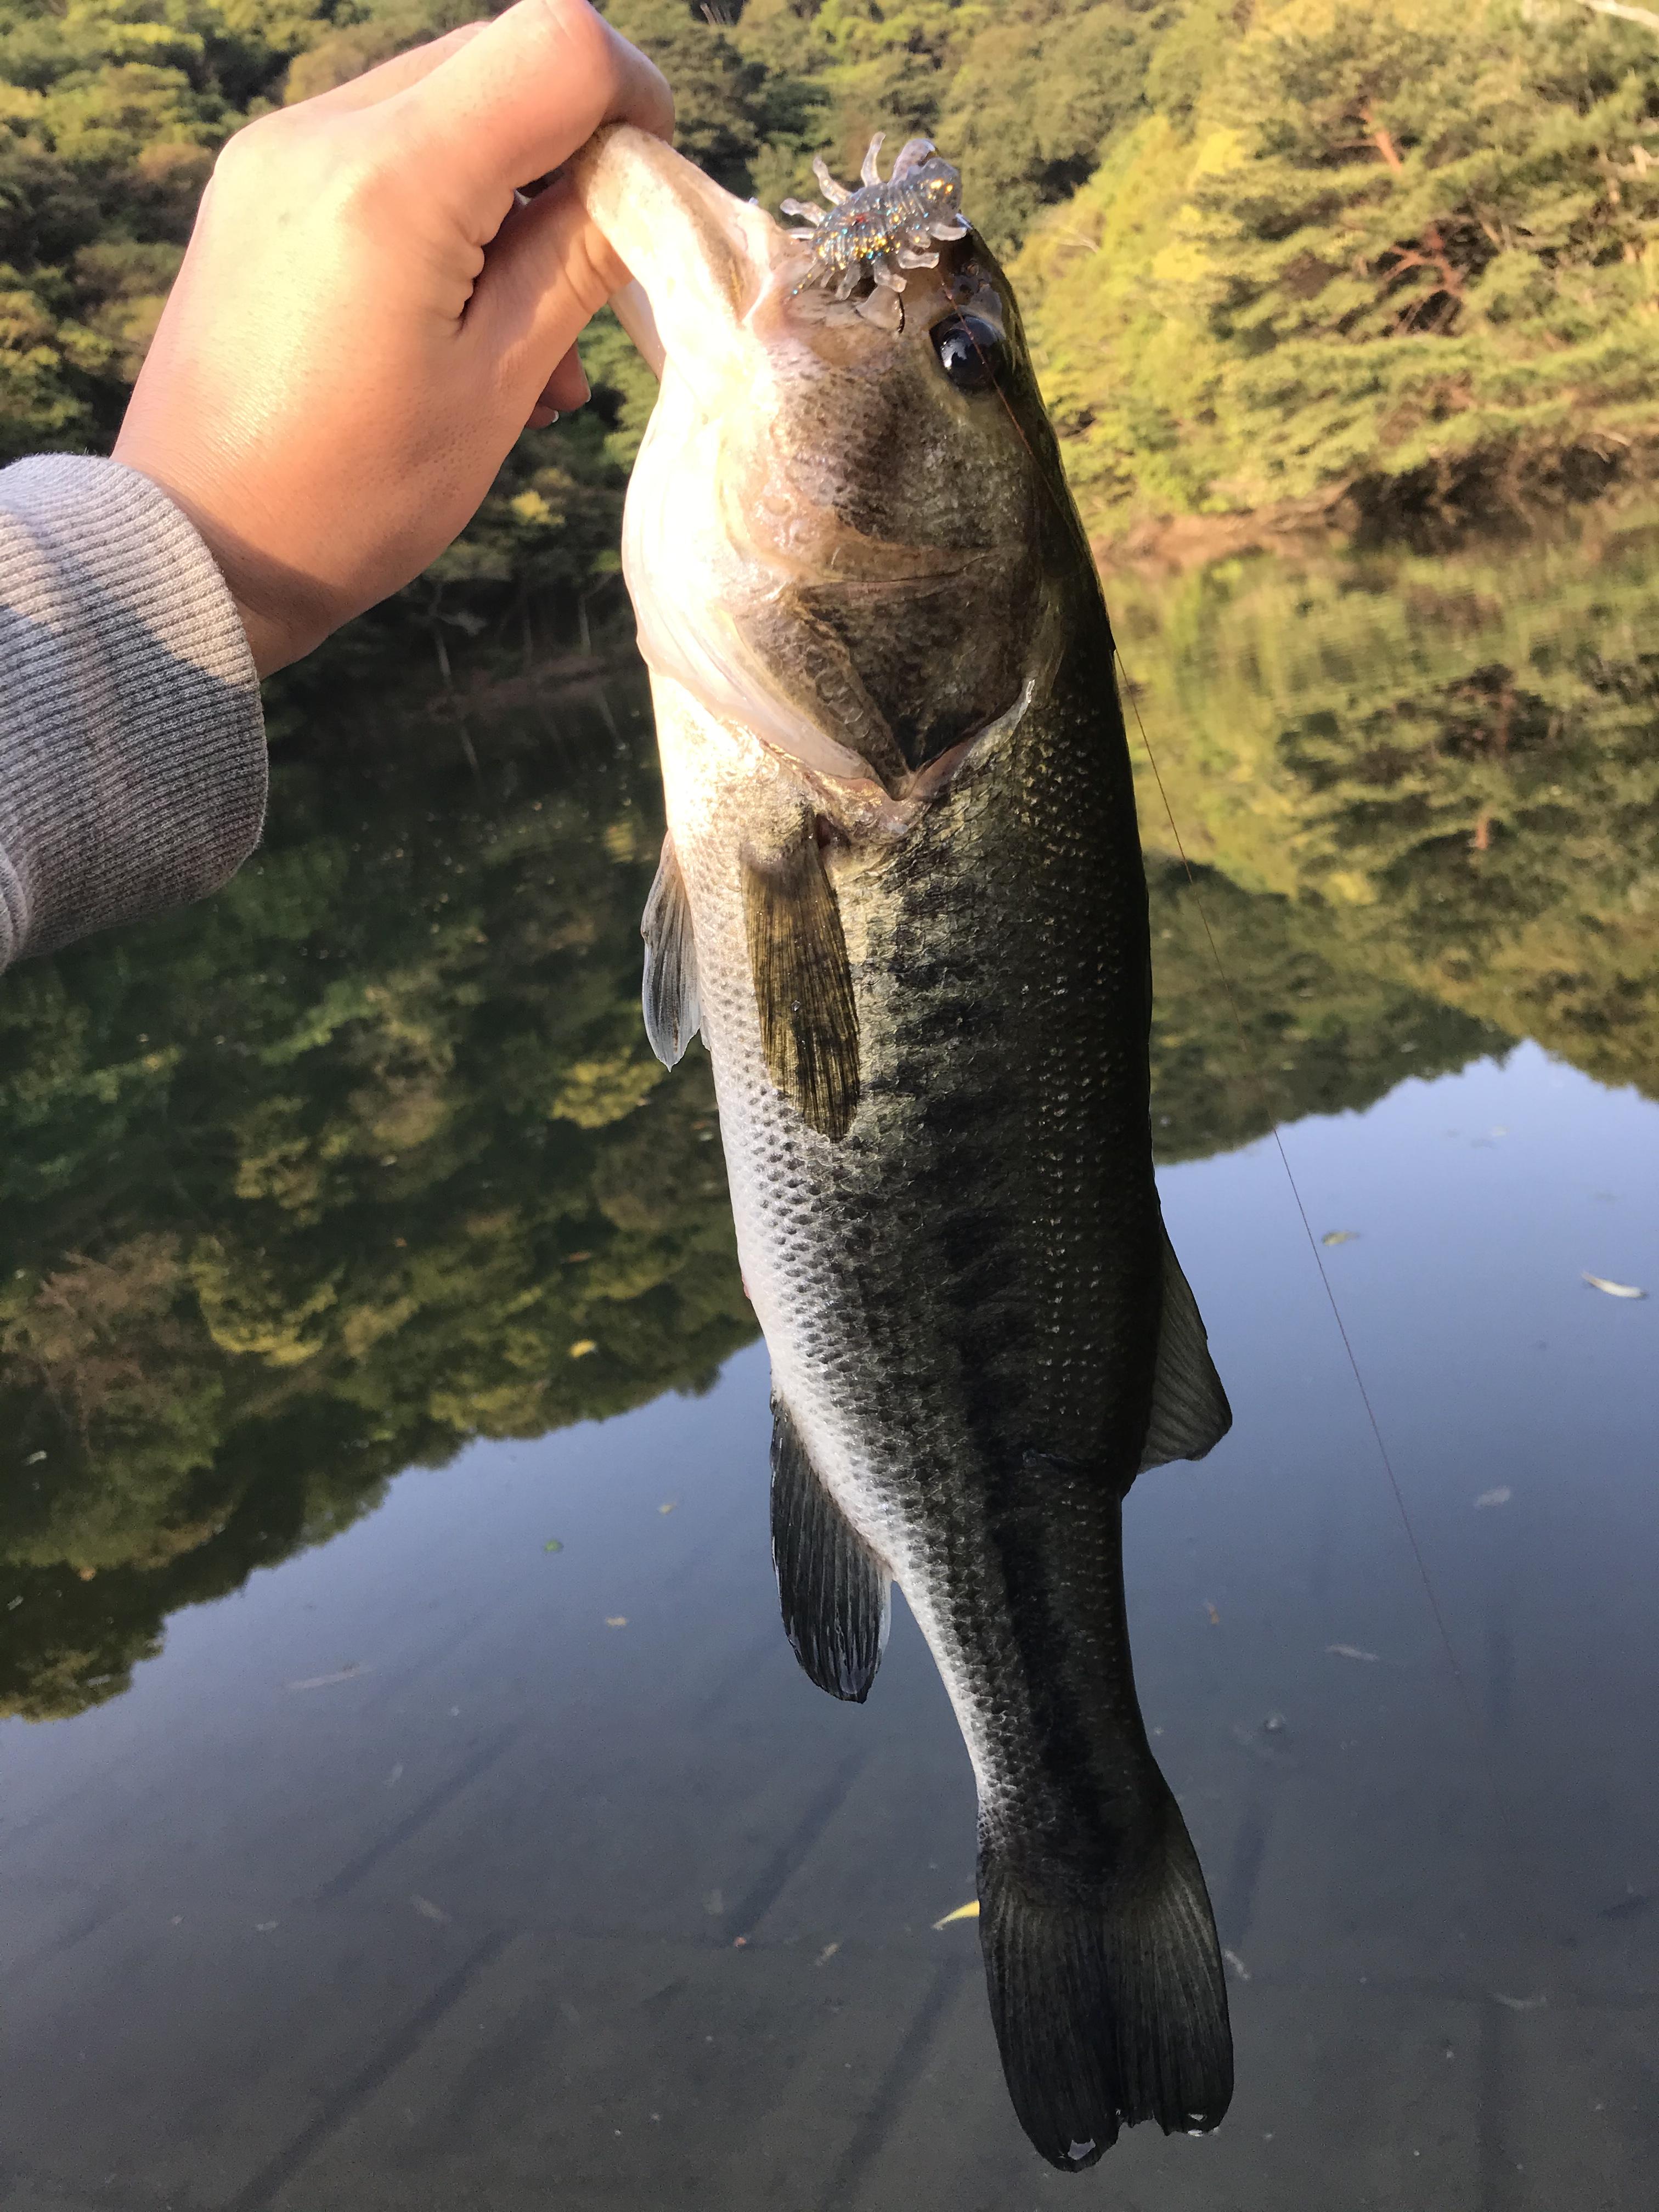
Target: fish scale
(921,970)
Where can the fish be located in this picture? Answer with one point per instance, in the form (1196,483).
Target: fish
(902,899)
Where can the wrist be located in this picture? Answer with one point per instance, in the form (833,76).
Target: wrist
(279,613)
(271,642)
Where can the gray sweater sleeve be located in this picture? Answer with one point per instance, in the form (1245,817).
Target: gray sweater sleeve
(132,755)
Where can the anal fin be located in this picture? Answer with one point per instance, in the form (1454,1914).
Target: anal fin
(673,1010)
(836,1596)
(1190,1413)
(803,984)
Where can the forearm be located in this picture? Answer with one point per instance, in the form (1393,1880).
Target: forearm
(133,759)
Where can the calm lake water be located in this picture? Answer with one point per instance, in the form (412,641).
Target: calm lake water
(407,1796)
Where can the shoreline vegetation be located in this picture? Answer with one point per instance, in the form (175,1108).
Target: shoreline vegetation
(1292,269)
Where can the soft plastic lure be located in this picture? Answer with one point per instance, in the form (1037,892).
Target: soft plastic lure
(878,230)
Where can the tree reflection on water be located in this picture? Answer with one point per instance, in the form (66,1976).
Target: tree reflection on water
(368,1158)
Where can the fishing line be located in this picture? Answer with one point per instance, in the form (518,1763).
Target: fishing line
(1254,1070)
(1508,1828)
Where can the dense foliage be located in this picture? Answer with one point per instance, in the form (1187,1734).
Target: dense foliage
(1402,248)
(1275,252)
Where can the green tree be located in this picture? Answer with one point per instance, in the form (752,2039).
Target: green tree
(1397,249)
(110,114)
(1034,98)
(881,67)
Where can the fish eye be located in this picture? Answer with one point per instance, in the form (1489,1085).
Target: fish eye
(970,351)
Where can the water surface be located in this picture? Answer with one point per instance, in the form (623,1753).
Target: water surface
(408,1798)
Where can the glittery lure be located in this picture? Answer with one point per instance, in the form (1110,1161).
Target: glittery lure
(867,236)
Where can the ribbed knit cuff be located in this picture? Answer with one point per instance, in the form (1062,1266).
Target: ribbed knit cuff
(132,755)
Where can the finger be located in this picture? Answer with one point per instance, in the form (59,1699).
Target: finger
(520,97)
(567,388)
(390,78)
(546,276)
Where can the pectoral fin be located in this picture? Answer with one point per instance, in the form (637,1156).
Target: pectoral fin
(836,1596)
(673,1013)
(1190,1411)
(803,984)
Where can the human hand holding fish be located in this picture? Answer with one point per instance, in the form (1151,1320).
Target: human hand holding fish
(369,313)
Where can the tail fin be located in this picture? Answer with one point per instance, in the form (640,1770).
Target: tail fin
(1108,1995)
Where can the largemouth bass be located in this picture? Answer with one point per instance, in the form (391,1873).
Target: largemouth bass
(902,896)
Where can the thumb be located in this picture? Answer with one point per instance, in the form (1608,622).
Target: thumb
(518,99)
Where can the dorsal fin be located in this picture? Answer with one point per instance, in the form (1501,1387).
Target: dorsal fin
(836,1596)
(803,983)
(673,1011)
(1190,1411)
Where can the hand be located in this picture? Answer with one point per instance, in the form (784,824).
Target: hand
(366,320)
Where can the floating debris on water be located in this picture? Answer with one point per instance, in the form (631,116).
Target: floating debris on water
(1501,1496)
(1614,1289)
(327,1681)
(582,1346)
(1341,1236)
(969,1911)
(1352,1651)
(428,1910)
(552,1545)
(1635,1902)
(1237,1965)
(1520,2004)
